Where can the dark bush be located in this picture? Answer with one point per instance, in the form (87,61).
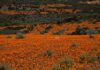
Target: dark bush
(66,62)
(79,31)
(82,58)
(8,31)
(74,45)
(48,53)
(92,59)
(60,32)
(46,30)
(4,67)
(19,36)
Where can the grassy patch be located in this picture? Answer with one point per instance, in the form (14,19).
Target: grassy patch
(20,36)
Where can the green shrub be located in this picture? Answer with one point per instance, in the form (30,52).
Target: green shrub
(66,62)
(94,49)
(79,31)
(74,45)
(48,53)
(8,31)
(56,67)
(81,58)
(87,68)
(4,67)
(19,36)
(60,32)
(92,59)
(46,30)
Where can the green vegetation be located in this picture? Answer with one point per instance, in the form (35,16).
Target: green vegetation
(82,58)
(84,31)
(46,30)
(19,36)
(74,45)
(8,31)
(48,53)
(87,12)
(4,67)
(92,59)
(87,68)
(64,64)
(89,57)
(59,32)
(56,67)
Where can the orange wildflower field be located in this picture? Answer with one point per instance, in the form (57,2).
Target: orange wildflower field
(49,35)
(50,52)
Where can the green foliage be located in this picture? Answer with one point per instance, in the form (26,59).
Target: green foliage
(46,30)
(8,31)
(87,68)
(82,58)
(74,45)
(48,53)
(92,59)
(60,32)
(88,57)
(66,61)
(56,67)
(4,67)
(94,49)
(19,36)
(84,31)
